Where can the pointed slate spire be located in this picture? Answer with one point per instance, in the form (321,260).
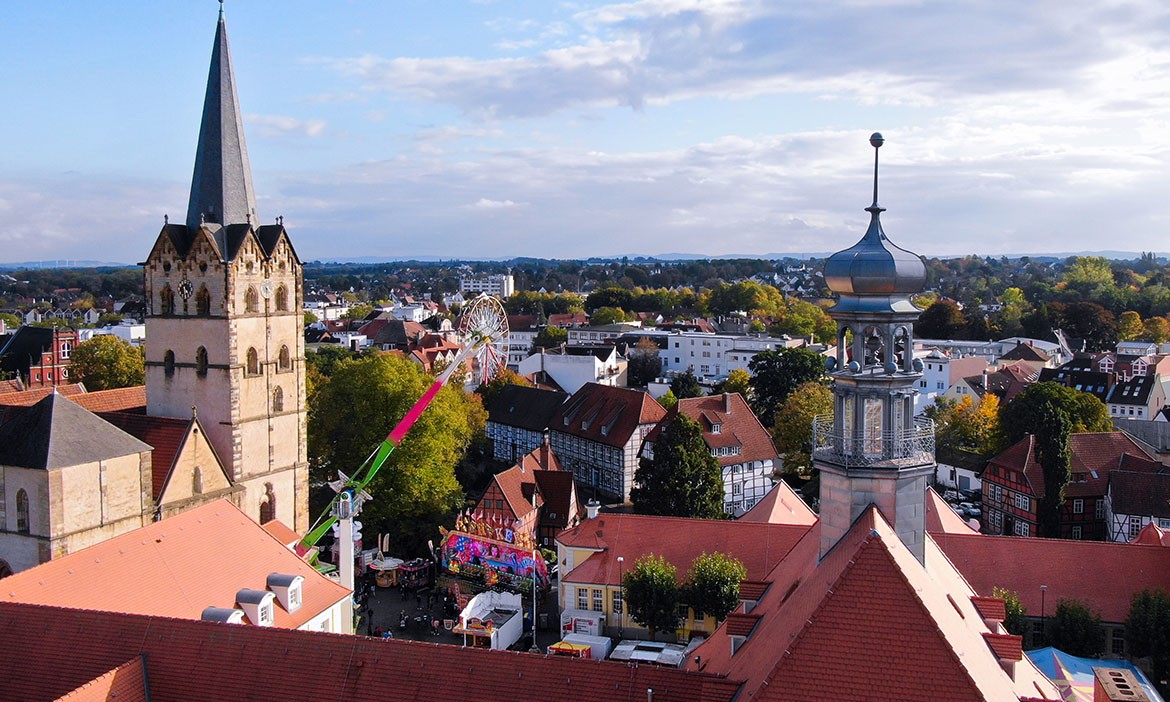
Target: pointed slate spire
(221,187)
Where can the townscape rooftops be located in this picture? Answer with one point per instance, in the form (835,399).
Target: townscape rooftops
(163,569)
(758,545)
(608,415)
(738,427)
(1145,493)
(28,398)
(524,407)
(55,433)
(1092,457)
(129,399)
(868,622)
(283,664)
(781,505)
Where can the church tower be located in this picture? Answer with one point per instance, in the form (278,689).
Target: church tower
(873,450)
(224,322)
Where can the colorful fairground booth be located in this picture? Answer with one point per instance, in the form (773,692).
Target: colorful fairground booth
(488,552)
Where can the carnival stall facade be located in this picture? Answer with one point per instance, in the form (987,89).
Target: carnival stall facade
(485,549)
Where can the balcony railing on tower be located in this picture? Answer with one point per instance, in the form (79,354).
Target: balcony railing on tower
(886,449)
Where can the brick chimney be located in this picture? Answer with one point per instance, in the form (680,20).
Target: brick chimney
(727,403)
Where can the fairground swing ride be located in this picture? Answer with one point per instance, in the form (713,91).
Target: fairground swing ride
(483,330)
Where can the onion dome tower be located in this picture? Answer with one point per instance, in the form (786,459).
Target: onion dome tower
(873,450)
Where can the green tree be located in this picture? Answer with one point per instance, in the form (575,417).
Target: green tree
(607,315)
(328,357)
(793,430)
(1147,630)
(1088,272)
(10,321)
(1157,329)
(682,479)
(550,338)
(1021,416)
(668,400)
(1016,618)
(651,593)
(310,318)
(645,363)
(1075,629)
(505,377)
(358,311)
(106,362)
(739,380)
(416,488)
(108,319)
(713,584)
(777,373)
(686,385)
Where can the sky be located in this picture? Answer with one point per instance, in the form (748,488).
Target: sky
(502,128)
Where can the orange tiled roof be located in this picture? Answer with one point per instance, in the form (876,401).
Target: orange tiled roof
(738,426)
(175,568)
(28,398)
(196,660)
(781,505)
(606,414)
(1092,457)
(126,683)
(116,400)
(282,532)
(758,545)
(941,518)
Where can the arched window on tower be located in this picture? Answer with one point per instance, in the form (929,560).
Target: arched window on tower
(166,300)
(169,362)
(277,399)
(251,300)
(22,517)
(284,362)
(201,361)
(268,504)
(282,299)
(252,363)
(203,302)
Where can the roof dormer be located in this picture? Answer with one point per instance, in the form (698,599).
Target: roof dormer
(257,605)
(222,614)
(288,590)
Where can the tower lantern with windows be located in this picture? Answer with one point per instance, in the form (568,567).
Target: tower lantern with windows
(872,449)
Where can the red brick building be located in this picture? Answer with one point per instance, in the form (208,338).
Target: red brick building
(39,356)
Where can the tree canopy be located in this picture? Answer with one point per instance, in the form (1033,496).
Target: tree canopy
(354,410)
(1025,413)
(793,430)
(682,479)
(1016,617)
(651,594)
(550,338)
(966,425)
(777,373)
(608,315)
(645,363)
(1076,630)
(713,584)
(1147,630)
(502,379)
(686,384)
(105,362)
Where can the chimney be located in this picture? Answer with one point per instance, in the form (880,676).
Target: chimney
(592,507)
(727,403)
(1117,685)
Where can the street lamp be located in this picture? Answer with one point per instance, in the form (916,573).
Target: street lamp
(1043,616)
(622,621)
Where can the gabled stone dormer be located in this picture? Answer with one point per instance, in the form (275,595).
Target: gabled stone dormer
(288,590)
(257,605)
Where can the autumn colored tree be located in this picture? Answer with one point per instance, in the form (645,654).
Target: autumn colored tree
(793,430)
(607,315)
(106,361)
(739,381)
(1130,326)
(1157,329)
(963,424)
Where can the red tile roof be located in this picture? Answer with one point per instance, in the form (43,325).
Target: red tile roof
(1101,574)
(781,505)
(941,518)
(605,414)
(165,434)
(992,608)
(1008,647)
(738,426)
(196,660)
(116,400)
(175,568)
(1092,457)
(1152,535)
(739,624)
(126,683)
(28,398)
(1144,493)
(282,532)
(759,545)
(752,589)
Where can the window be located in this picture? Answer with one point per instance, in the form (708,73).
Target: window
(253,363)
(995,518)
(1117,641)
(617,601)
(268,504)
(499,504)
(1022,528)
(1076,532)
(282,299)
(166,300)
(66,347)
(737,488)
(251,300)
(284,360)
(277,399)
(1078,507)
(1135,525)
(201,361)
(22,520)
(597,603)
(582,598)
(203,302)
(169,362)
(1099,509)
(1023,501)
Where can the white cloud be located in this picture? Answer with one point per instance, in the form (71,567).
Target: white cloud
(277,126)
(485,204)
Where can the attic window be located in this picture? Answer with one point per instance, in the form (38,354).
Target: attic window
(716,427)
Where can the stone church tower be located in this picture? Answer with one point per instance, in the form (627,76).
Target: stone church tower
(874,450)
(224,323)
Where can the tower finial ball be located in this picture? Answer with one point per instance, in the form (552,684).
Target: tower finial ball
(876,140)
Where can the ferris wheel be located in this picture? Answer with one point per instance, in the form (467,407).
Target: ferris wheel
(484,324)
